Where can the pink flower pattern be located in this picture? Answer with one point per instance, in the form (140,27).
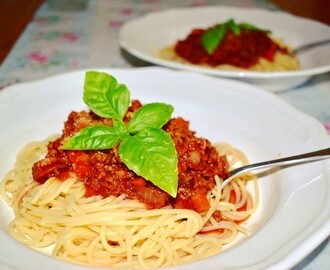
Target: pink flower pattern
(69,36)
(327,127)
(126,11)
(115,24)
(37,57)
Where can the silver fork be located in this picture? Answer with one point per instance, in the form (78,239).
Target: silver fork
(306,47)
(292,160)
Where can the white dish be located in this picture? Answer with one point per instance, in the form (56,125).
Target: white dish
(294,215)
(144,37)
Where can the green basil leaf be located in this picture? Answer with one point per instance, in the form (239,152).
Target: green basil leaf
(152,115)
(105,96)
(249,26)
(212,38)
(93,138)
(233,26)
(151,154)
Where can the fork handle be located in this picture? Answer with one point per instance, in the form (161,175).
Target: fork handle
(302,158)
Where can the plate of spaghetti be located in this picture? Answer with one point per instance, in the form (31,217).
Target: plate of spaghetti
(122,168)
(231,42)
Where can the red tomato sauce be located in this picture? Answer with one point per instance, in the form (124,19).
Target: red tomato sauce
(103,173)
(243,50)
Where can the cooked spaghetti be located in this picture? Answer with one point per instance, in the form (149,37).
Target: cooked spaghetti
(88,207)
(116,231)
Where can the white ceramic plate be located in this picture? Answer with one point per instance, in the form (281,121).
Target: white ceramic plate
(144,37)
(294,215)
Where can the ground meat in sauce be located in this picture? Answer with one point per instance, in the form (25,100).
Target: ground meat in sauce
(104,174)
(242,50)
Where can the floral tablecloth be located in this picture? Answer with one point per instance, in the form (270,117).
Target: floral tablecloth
(68,35)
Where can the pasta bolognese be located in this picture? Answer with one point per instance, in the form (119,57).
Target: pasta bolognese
(232,46)
(91,208)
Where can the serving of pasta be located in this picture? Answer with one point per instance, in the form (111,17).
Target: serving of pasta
(232,46)
(98,205)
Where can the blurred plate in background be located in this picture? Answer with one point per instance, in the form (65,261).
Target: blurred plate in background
(144,37)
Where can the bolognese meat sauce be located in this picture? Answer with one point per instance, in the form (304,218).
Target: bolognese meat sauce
(243,50)
(103,173)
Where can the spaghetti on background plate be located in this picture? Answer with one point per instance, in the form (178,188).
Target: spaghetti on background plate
(232,46)
(96,194)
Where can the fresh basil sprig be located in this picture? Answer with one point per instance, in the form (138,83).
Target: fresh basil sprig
(144,147)
(213,37)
